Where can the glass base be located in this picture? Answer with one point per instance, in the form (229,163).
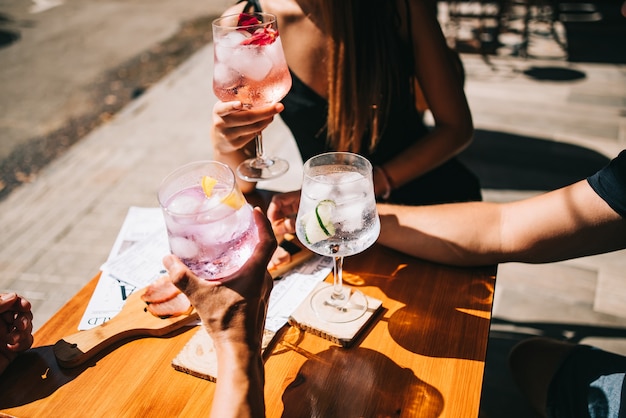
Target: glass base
(338,310)
(256,169)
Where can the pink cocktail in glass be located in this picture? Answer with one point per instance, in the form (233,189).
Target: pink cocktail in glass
(209,224)
(250,67)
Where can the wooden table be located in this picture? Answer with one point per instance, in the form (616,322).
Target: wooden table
(424,357)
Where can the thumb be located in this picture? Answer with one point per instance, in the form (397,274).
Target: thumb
(178,272)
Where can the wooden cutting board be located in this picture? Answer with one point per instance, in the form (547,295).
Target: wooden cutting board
(131,322)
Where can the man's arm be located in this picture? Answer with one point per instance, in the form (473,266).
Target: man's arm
(566,223)
(233,312)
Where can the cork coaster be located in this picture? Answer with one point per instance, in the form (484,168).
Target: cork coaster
(198,358)
(344,334)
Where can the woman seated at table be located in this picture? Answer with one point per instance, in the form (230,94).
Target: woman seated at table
(363,99)
(16,327)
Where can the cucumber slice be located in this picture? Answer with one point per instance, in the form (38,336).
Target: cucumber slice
(318,225)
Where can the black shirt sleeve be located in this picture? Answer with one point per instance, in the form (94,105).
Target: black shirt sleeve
(610,184)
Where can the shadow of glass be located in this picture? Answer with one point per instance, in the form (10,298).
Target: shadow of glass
(508,161)
(358,382)
(435,313)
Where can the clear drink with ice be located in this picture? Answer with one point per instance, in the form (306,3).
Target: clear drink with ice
(337,217)
(209,224)
(338,214)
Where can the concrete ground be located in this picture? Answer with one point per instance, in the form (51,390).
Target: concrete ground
(57,230)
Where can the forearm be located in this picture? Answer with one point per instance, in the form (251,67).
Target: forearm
(566,223)
(458,234)
(240,381)
(428,153)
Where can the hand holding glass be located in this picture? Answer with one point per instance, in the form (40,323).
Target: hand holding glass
(209,224)
(337,217)
(250,67)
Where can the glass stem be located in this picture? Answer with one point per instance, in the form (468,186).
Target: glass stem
(260,161)
(337,279)
(260,152)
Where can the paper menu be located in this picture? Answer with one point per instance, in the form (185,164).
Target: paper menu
(293,288)
(140,224)
(136,260)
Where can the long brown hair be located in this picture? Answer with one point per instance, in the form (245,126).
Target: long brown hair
(362,63)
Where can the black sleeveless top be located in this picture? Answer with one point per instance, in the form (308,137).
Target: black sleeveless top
(305,115)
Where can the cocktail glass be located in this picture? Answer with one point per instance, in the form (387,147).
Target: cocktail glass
(337,217)
(250,67)
(209,224)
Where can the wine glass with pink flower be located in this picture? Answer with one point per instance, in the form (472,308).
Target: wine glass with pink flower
(250,67)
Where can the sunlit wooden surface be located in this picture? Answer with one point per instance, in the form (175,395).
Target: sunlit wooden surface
(424,356)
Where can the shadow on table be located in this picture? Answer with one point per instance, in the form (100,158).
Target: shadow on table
(36,374)
(358,382)
(426,328)
(500,395)
(515,162)
(37,366)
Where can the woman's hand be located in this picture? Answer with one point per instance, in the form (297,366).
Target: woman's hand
(234,126)
(282,212)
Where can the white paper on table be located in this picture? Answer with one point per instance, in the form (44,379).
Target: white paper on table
(138,224)
(141,264)
(136,260)
(110,294)
(107,300)
(295,285)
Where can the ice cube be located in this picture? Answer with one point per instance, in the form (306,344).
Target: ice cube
(348,176)
(184,204)
(214,233)
(216,213)
(183,247)
(224,76)
(232,39)
(319,189)
(251,62)
(209,203)
(350,216)
(275,52)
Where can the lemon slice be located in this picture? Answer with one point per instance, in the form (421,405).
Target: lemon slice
(208,183)
(318,225)
(235,199)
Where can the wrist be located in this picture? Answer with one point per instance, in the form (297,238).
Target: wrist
(386,181)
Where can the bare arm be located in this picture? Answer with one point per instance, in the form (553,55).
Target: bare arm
(566,223)
(442,87)
(233,312)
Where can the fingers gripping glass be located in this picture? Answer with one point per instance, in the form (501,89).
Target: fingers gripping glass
(250,67)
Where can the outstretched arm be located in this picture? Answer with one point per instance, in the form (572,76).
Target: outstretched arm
(233,312)
(566,223)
